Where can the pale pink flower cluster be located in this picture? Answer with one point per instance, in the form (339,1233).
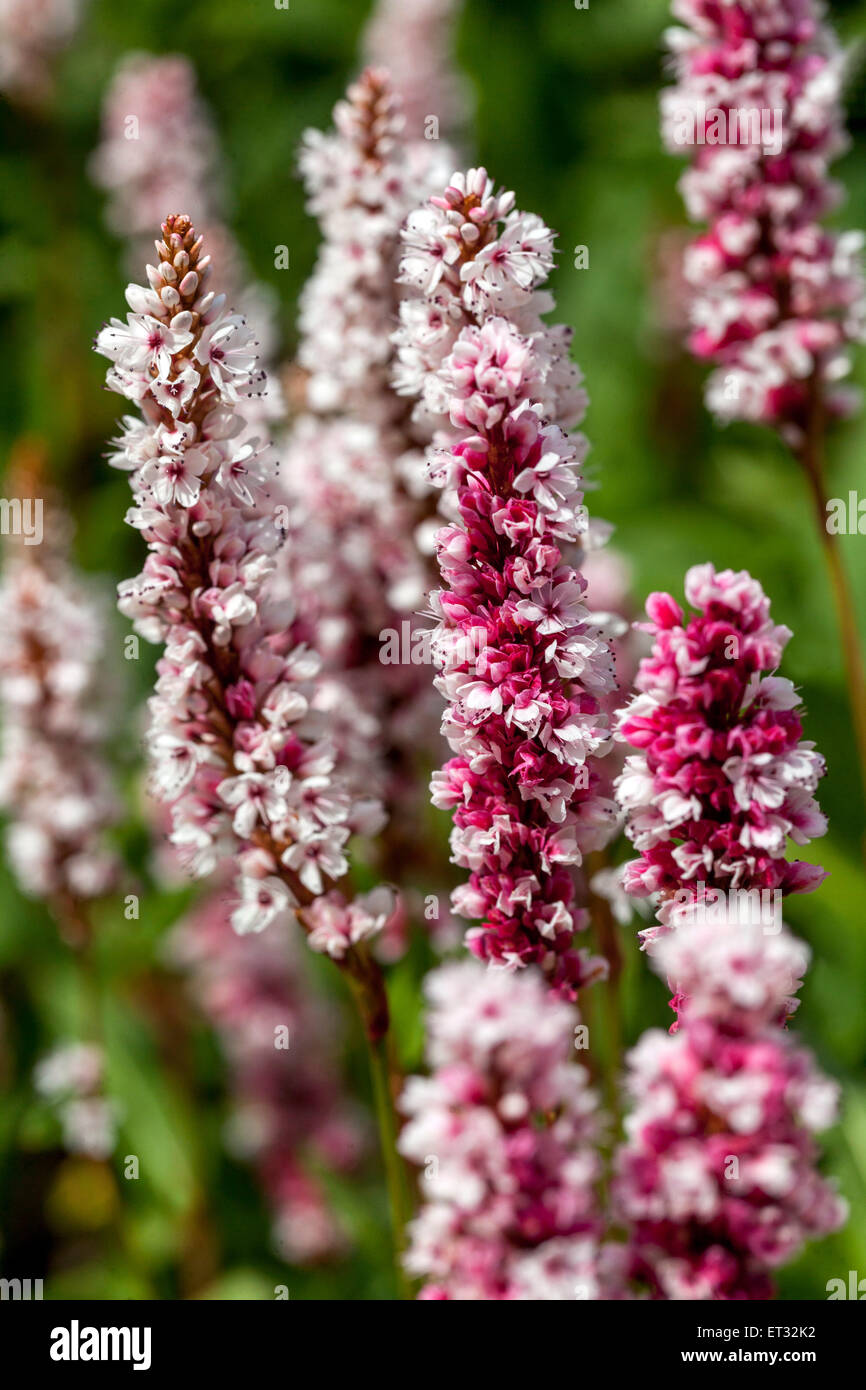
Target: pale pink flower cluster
(351,463)
(32,33)
(522,665)
(288,1113)
(469,256)
(413,40)
(54,785)
(776,298)
(237,753)
(717,1178)
(362,180)
(357,574)
(336,925)
(71,1079)
(505,1132)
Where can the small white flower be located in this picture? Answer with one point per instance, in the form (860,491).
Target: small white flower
(233,608)
(176,392)
(141,343)
(175,477)
(174,762)
(255,798)
(238,472)
(262,901)
(227,347)
(319,855)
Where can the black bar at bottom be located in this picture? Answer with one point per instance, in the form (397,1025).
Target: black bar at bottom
(89,1340)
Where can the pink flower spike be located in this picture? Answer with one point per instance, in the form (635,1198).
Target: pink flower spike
(725,779)
(237,753)
(775,299)
(522,665)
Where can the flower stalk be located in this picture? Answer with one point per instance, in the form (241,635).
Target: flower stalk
(810,453)
(239,755)
(776,299)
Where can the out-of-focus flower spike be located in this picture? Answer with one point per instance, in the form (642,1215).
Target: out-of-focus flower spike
(54,784)
(505,1130)
(31,37)
(353,459)
(717,1180)
(413,40)
(288,1111)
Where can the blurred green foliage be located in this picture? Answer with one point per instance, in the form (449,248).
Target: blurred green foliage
(566,114)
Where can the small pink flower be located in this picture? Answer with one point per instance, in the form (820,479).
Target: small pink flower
(336,925)
(255,798)
(318,857)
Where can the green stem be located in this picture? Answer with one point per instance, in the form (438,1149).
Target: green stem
(613,1018)
(811,456)
(844,600)
(76,930)
(607,940)
(395,1172)
(367,984)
